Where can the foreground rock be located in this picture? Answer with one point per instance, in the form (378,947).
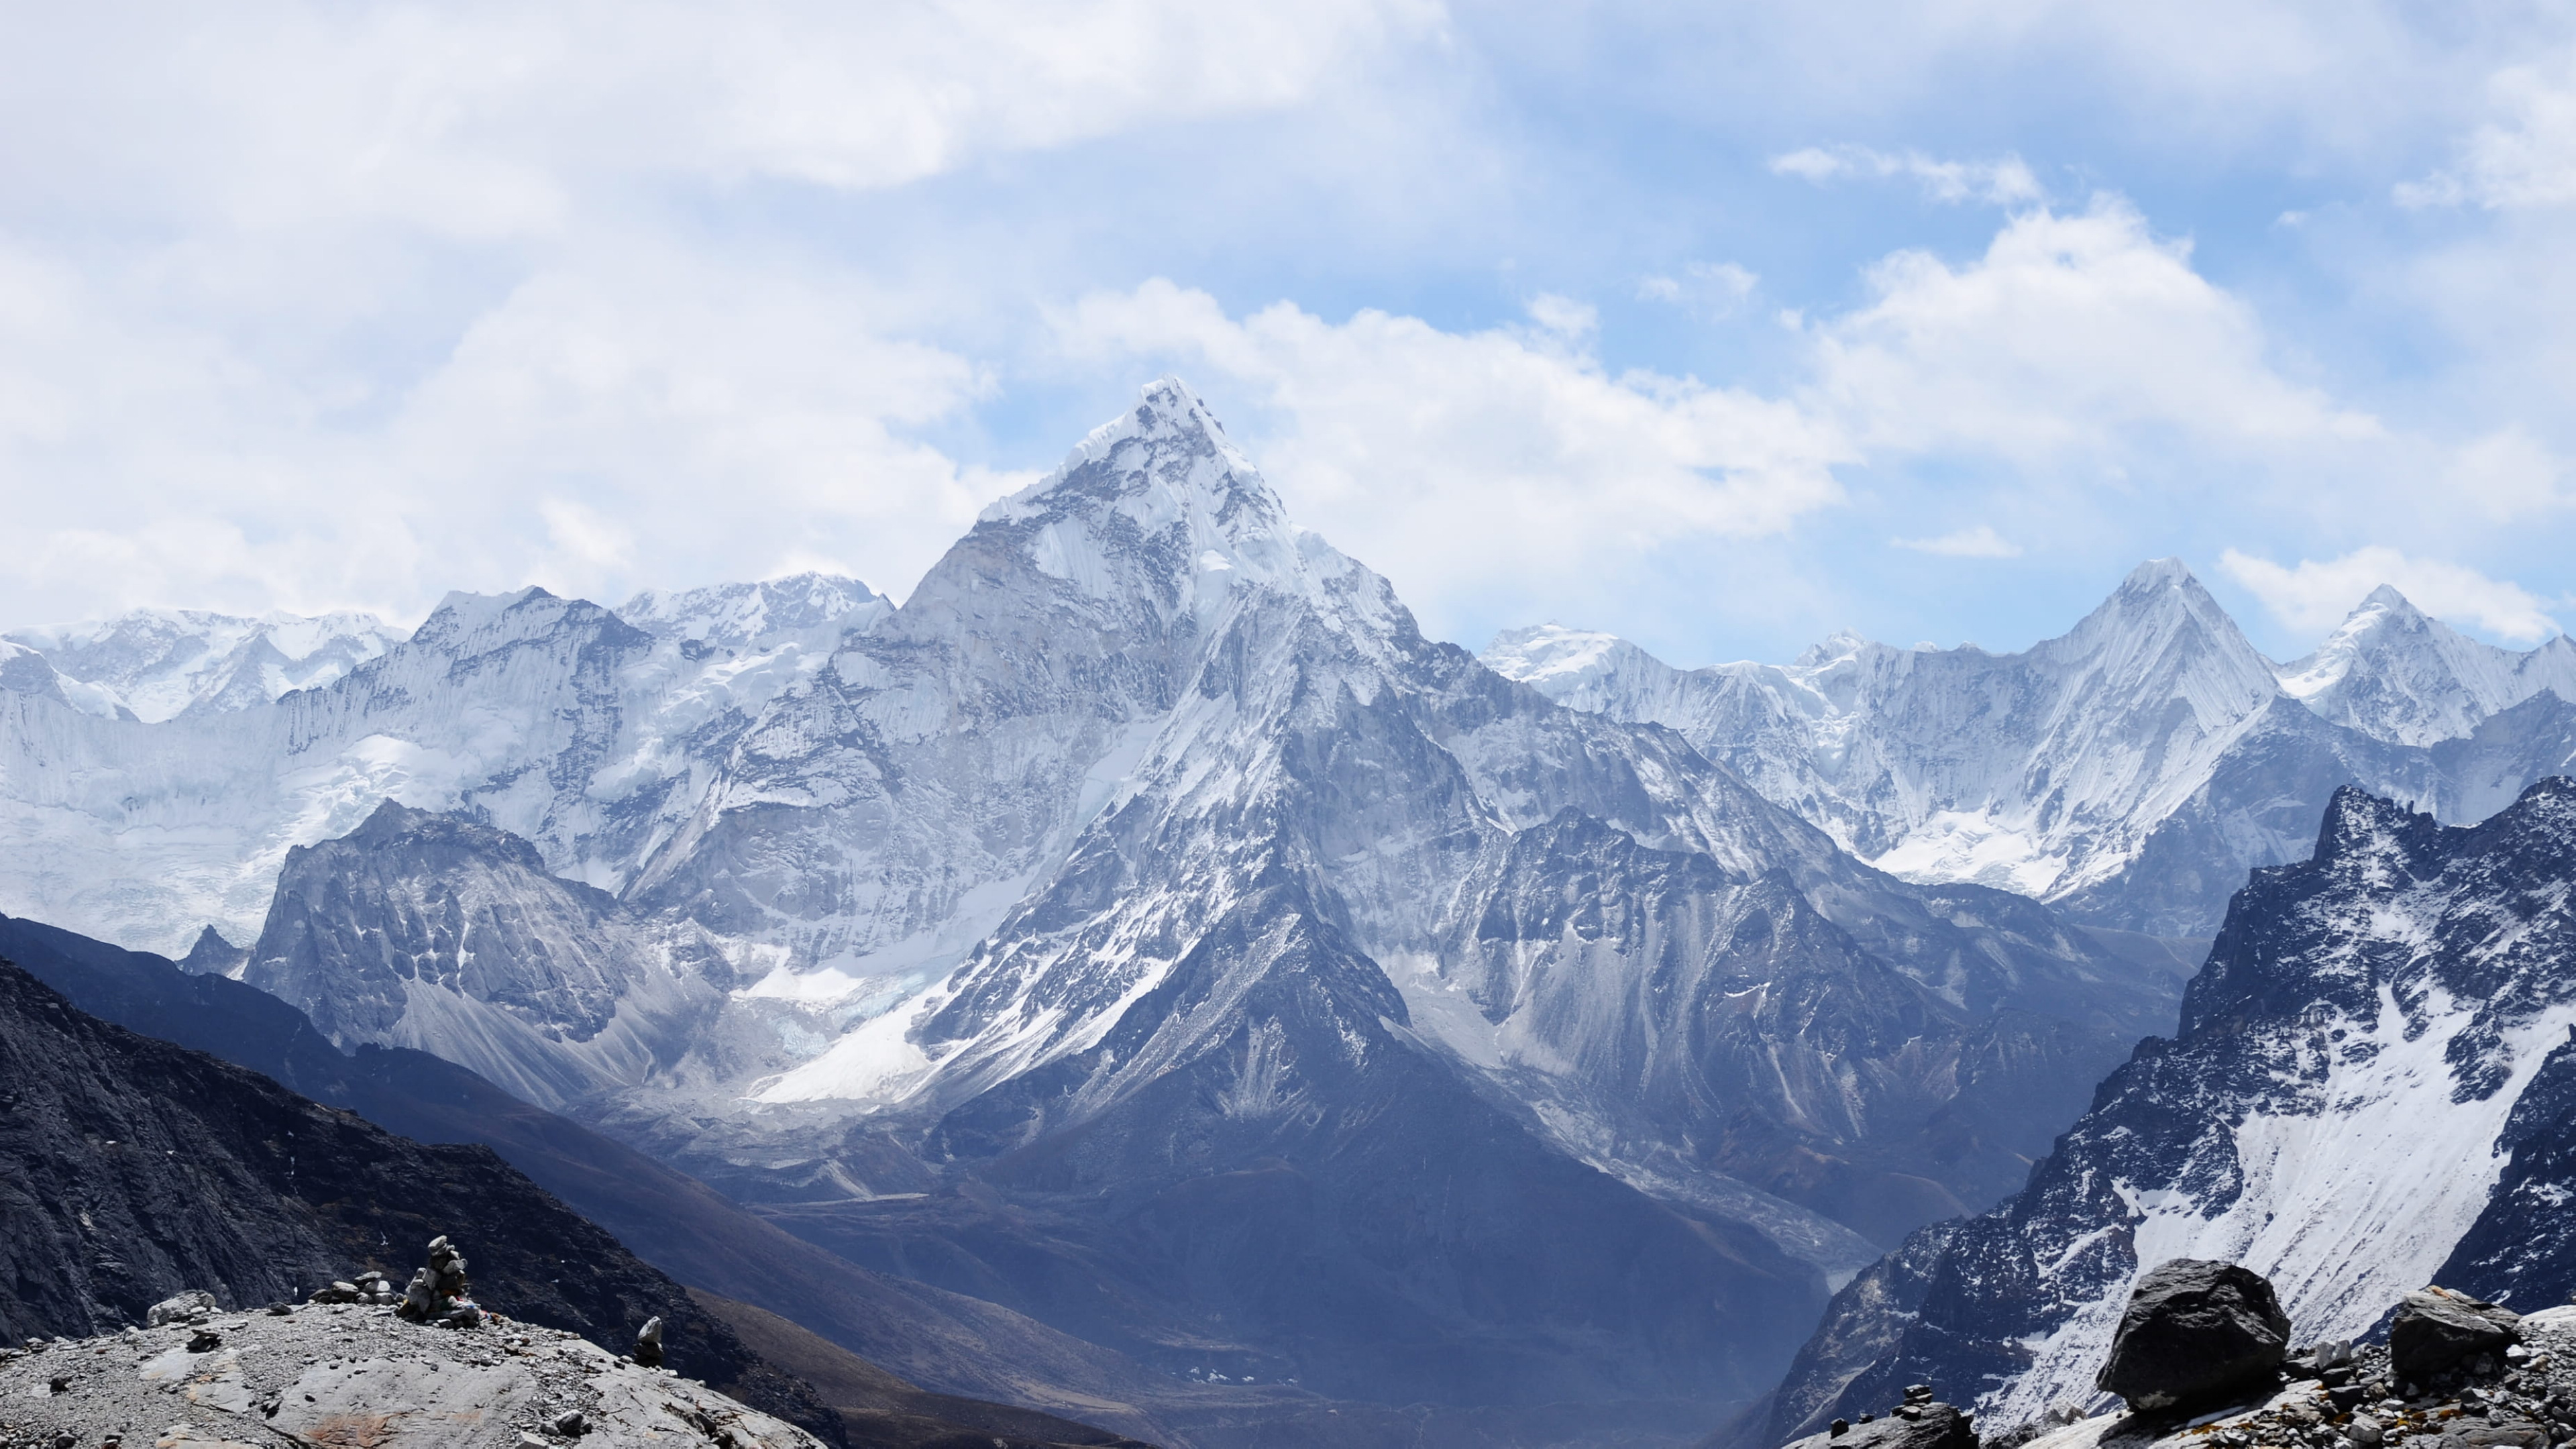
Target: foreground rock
(2195,1331)
(2437,1329)
(2522,1397)
(346,1374)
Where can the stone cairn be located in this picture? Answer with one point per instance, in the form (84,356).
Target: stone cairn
(438,1292)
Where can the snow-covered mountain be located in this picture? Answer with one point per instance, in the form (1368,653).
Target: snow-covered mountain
(1144,905)
(155,664)
(2368,1093)
(2394,674)
(554,719)
(2131,770)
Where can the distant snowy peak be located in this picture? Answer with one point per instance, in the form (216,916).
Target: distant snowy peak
(2395,674)
(159,663)
(1159,503)
(737,616)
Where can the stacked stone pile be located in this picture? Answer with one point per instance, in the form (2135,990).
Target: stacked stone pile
(439,1292)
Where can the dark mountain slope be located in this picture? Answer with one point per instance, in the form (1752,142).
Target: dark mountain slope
(131,1169)
(963,1346)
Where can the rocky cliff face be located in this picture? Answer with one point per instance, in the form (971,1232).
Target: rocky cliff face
(436,932)
(2363,1097)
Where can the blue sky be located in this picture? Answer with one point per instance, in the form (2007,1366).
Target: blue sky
(1717,326)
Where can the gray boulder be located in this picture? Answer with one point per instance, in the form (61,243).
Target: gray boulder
(2437,1329)
(2195,1332)
(180,1307)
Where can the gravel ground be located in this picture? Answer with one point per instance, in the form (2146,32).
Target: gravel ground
(357,1377)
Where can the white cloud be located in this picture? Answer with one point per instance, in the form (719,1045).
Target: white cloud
(2314,597)
(646,419)
(1454,461)
(2073,333)
(1979,542)
(1713,289)
(2004,181)
(2526,160)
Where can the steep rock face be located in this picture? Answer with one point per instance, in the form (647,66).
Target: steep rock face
(134,1169)
(434,932)
(2342,1111)
(2131,770)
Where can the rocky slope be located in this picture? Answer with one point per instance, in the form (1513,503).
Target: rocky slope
(350,1375)
(2132,769)
(2365,1095)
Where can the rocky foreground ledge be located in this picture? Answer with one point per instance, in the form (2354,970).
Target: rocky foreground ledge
(358,1376)
(2202,1360)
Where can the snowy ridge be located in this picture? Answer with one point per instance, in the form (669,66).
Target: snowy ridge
(2056,772)
(2395,674)
(156,664)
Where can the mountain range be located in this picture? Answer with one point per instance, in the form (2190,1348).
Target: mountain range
(1144,932)
(2130,771)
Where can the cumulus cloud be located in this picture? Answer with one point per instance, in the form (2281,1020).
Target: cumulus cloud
(2073,333)
(1449,460)
(309,306)
(2527,159)
(2004,181)
(1979,542)
(2314,596)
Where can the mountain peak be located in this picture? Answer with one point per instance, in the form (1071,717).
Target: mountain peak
(2387,598)
(2159,573)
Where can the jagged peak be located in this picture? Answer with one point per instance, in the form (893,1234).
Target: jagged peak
(2358,822)
(1172,423)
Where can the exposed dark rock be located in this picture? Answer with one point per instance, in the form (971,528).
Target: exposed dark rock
(2437,1329)
(2195,1331)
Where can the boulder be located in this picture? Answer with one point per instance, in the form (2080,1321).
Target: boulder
(2195,1332)
(2437,1329)
(180,1307)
